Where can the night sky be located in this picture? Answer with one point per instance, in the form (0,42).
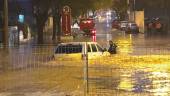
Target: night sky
(24,4)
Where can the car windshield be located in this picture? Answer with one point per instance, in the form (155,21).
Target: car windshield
(100,49)
(134,25)
(124,23)
(68,49)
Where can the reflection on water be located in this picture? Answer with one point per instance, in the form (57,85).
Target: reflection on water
(141,81)
(161,83)
(125,44)
(155,83)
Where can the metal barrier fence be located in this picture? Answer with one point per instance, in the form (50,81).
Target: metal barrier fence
(34,71)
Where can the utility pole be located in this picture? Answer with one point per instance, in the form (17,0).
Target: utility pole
(5,31)
(5,52)
(134,9)
(128,10)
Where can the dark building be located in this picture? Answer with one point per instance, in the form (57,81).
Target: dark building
(1,19)
(155,9)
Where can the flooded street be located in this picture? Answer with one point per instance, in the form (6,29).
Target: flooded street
(115,75)
(140,68)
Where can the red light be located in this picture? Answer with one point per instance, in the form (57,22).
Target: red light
(94,38)
(84,21)
(88,21)
(94,31)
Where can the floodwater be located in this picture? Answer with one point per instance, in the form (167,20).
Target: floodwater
(140,68)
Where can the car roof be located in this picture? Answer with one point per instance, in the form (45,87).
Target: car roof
(124,21)
(86,19)
(76,43)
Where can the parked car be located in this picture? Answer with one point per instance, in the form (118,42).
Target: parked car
(116,24)
(123,25)
(132,28)
(87,26)
(78,50)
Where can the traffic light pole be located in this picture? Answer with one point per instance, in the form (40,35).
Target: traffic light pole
(5,31)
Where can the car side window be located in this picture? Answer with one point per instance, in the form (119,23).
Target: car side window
(89,50)
(100,49)
(69,49)
(94,49)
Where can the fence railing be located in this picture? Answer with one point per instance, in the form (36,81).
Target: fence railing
(33,70)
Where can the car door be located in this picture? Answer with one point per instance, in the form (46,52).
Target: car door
(93,51)
(101,51)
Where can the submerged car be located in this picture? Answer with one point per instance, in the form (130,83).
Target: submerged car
(79,50)
(132,28)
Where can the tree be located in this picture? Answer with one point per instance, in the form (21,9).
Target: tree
(40,10)
(120,6)
(100,4)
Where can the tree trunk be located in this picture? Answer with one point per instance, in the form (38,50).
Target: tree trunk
(58,27)
(41,19)
(40,26)
(40,34)
(54,28)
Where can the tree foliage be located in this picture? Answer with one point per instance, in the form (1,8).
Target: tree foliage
(82,6)
(120,6)
(40,11)
(102,4)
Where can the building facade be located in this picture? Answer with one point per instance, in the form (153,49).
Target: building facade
(155,9)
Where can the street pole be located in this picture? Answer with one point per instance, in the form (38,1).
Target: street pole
(128,10)
(134,10)
(5,32)
(86,72)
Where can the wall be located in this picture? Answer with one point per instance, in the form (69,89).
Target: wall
(139,19)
